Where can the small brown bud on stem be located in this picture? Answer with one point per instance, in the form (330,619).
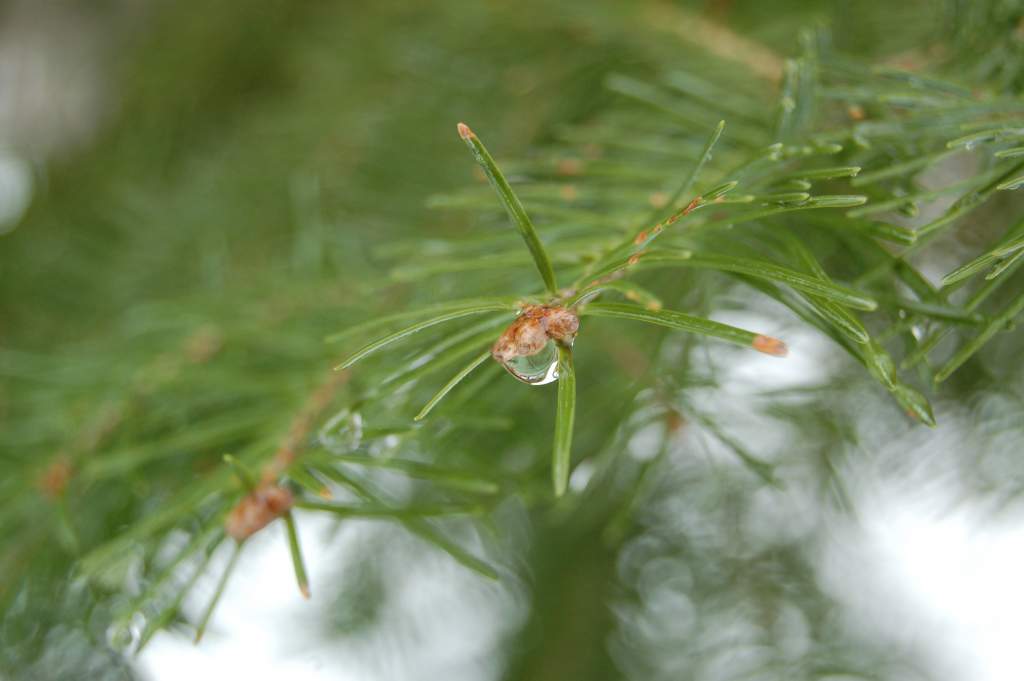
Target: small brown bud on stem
(256,510)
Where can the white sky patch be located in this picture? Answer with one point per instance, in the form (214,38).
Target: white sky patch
(809,362)
(258,623)
(438,621)
(15,189)
(935,576)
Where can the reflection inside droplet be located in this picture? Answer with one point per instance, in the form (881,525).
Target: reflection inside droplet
(123,636)
(343,432)
(537,369)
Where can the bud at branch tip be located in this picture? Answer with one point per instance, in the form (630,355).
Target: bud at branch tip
(770,346)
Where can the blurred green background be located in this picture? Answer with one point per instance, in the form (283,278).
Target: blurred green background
(234,140)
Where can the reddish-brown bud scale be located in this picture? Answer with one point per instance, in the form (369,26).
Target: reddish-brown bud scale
(560,324)
(532,329)
(257,510)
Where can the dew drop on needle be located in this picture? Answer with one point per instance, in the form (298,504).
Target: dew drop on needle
(528,348)
(538,369)
(343,432)
(123,636)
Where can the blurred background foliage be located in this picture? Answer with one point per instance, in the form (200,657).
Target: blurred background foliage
(248,178)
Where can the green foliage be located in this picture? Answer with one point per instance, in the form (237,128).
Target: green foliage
(825,202)
(565,418)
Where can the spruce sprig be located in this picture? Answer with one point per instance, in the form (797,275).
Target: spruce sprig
(817,209)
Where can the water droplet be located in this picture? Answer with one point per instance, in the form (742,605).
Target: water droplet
(343,432)
(383,447)
(123,636)
(540,368)
(528,348)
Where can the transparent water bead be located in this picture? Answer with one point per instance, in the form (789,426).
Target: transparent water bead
(123,636)
(538,369)
(343,432)
(528,348)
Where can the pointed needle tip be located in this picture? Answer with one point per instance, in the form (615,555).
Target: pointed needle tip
(464,131)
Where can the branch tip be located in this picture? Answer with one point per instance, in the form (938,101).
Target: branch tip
(770,346)
(464,131)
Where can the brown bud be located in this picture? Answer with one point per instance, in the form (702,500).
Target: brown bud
(560,324)
(770,346)
(532,329)
(258,509)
